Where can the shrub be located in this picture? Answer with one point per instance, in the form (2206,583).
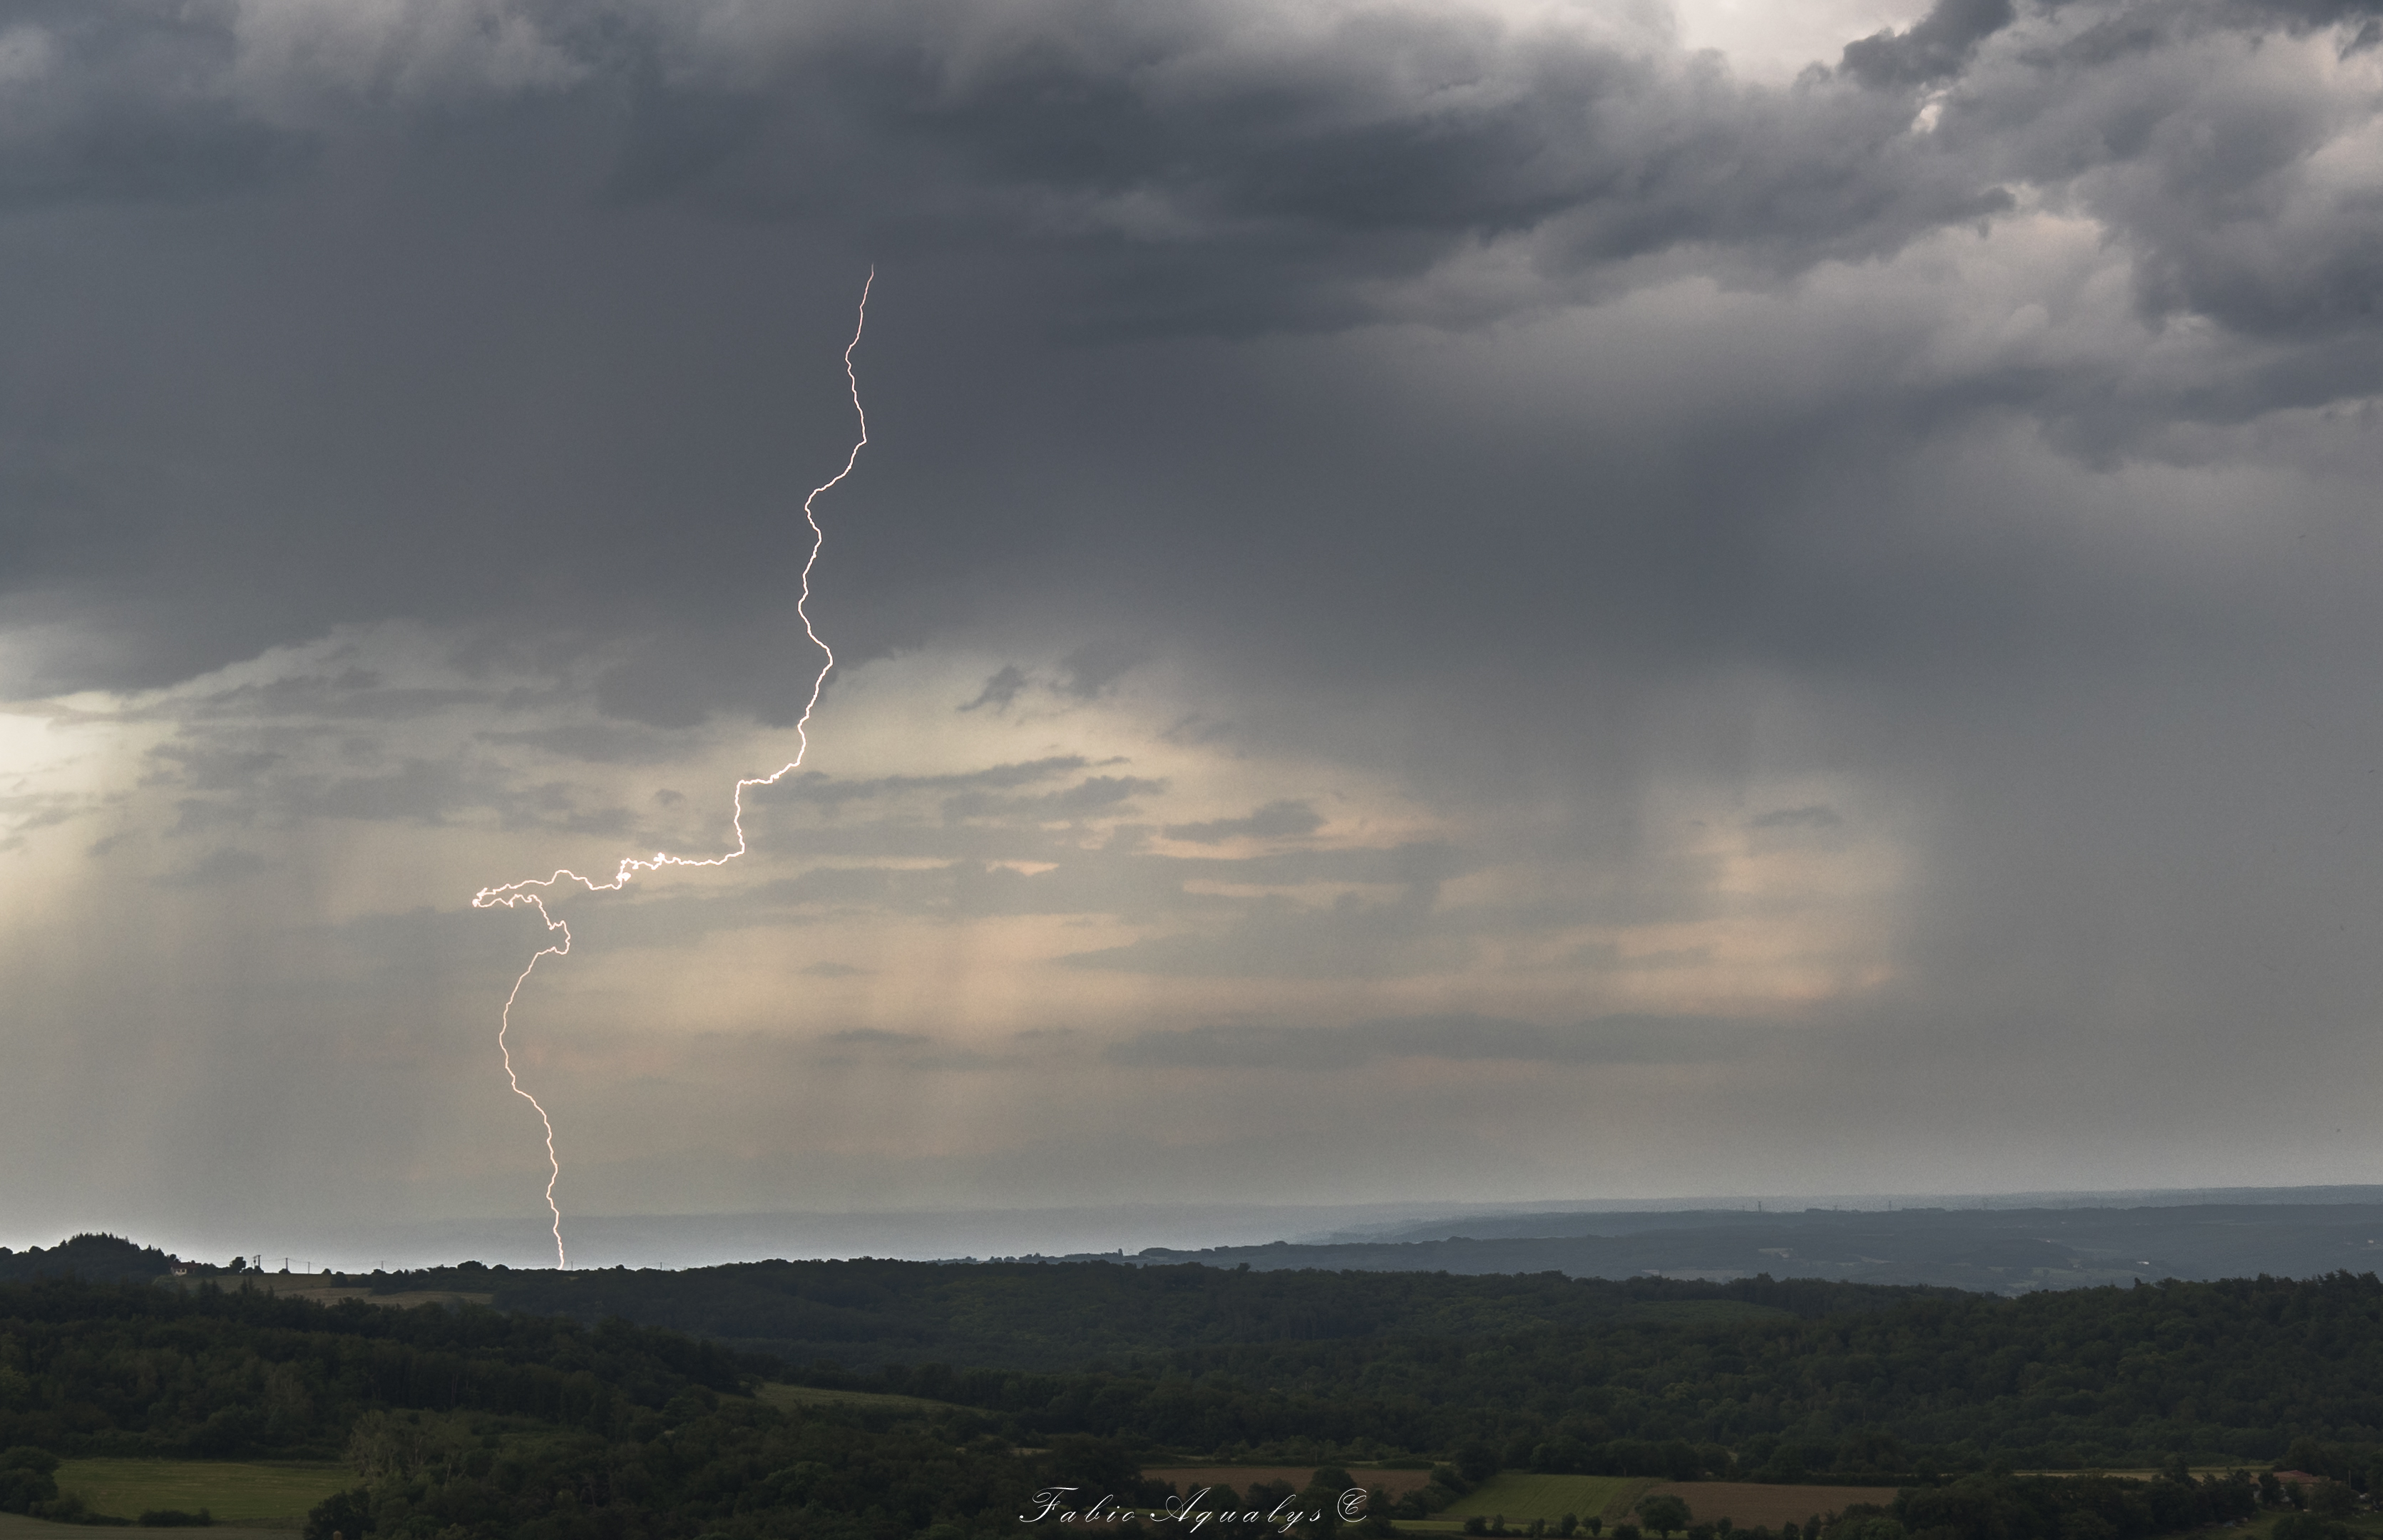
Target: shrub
(1663,1513)
(345,1513)
(26,1478)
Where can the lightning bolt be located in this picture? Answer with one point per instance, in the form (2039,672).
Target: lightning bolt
(514,895)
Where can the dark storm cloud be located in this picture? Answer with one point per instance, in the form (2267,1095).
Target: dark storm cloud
(1892,548)
(1084,675)
(831,792)
(1091,670)
(283,776)
(1105,794)
(1274,821)
(1387,918)
(110,100)
(216,868)
(602,742)
(1133,886)
(1221,167)
(410,354)
(1005,685)
(1936,47)
(1628,1039)
(22,815)
(1815,816)
(1208,180)
(1274,936)
(913,1051)
(355,694)
(2145,115)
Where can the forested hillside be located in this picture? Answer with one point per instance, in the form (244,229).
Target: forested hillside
(472,1425)
(1563,1373)
(2222,1371)
(1065,1316)
(94,1257)
(497,1421)
(133,1369)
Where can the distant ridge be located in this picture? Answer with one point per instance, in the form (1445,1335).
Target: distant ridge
(94,1257)
(2285,1236)
(1996,1251)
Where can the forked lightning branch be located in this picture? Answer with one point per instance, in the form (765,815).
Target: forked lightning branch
(534,892)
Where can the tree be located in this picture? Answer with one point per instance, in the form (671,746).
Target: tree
(26,1478)
(2333,1500)
(342,1513)
(1663,1513)
(1477,1462)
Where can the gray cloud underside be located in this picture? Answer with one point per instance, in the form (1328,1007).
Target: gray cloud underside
(1618,1039)
(1623,1038)
(1390,919)
(948,847)
(1274,821)
(456,412)
(1290,162)
(1178,339)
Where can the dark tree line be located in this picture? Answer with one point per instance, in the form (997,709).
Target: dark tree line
(139,1369)
(2232,1370)
(472,1422)
(712,1465)
(1066,1316)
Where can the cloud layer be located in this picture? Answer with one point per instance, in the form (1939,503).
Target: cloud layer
(1478,556)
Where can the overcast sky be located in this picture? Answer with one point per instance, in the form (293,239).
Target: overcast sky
(1449,600)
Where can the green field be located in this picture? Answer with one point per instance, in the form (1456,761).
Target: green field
(805,1395)
(1524,1498)
(272,1495)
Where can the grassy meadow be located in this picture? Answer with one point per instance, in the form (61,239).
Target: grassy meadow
(1750,1505)
(270,1495)
(324,1288)
(16,1526)
(805,1395)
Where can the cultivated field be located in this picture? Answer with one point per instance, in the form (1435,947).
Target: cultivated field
(1746,1503)
(273,1496)
(1524,1498)
(16,1526)
(329,1292)
(1188,1479)
(805,1395)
